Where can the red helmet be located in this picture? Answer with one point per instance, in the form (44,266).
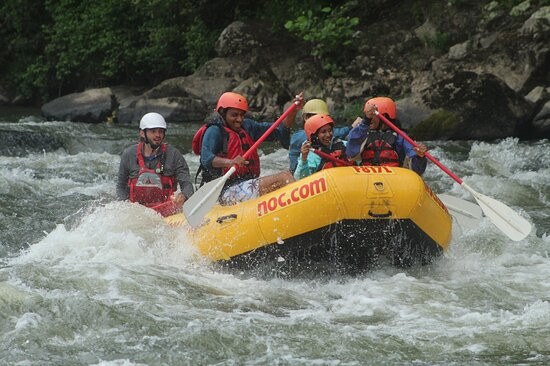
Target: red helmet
(314,123)
(384,105)
(232,100)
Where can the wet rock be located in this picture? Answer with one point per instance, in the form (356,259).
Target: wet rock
(486,107)
(538,95)
(541,122)
(91,106)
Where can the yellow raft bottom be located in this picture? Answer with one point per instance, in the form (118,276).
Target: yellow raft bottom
(347,218)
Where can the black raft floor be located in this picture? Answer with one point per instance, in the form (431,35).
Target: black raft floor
(345,247)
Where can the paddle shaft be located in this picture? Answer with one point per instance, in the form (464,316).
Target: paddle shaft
(330,157)
(427,154)
(508,221)
(269,130)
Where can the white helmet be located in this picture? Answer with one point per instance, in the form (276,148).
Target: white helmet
(152,120)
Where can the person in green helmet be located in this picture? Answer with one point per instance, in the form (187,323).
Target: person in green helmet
(310,109)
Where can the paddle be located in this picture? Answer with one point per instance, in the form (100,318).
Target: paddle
(200,203)
(504,218)
(330,157)
(466,213)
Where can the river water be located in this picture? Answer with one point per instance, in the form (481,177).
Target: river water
(85,280)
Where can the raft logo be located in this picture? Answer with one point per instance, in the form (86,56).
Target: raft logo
(367,169)
(303,192)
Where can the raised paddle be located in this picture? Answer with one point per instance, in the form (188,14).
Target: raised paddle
(466,213)
(200,203)
(504,218)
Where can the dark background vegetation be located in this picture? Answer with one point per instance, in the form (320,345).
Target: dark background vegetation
(53,47)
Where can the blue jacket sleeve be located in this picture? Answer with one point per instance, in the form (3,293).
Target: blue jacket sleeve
(341,132)
(296,141)
(418,164)
(211,145)
(310,166)
(257,129)
(355,138)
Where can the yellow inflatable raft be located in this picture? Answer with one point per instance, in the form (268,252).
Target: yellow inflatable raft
(346,217)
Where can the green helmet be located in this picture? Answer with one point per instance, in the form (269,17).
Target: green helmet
(315,106)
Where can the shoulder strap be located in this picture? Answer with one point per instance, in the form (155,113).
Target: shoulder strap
(225,135)
(139,155)
(162,159)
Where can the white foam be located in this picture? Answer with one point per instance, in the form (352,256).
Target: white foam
(119,233)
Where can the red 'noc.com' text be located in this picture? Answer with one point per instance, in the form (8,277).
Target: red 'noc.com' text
(297,194)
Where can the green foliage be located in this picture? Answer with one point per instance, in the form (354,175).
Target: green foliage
(330,32)
(440,42)
(508,4)
(349,113)
(58,46)
(441,124)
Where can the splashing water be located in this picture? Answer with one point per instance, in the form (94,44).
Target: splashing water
(87,280)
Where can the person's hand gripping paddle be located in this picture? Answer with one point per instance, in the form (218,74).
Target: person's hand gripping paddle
(202,201)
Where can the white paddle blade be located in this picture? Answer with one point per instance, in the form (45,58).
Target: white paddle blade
(504,218)
(202,201)
(467,214)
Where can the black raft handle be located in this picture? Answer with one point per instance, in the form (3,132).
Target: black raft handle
(221,219)
(383,216)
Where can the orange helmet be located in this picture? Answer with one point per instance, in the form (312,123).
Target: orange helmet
(384,105)
(232,100)
(314,123)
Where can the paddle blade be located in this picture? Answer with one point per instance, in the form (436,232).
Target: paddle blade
(204,199)
(467,214)
(504,218)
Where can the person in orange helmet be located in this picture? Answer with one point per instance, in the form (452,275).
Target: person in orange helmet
(222,147)
(372,142)
(319,131)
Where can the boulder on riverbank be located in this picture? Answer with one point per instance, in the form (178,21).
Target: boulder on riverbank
(475,86)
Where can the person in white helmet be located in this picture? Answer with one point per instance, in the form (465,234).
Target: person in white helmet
(150,171)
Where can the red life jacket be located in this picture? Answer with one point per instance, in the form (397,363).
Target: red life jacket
(150,187)
(337,151)
(339,154)
(380,149)
(234,144)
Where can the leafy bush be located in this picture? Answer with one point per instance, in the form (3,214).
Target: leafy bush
(330,32)
(54,47)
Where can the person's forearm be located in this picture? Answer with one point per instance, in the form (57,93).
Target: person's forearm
(220,162)
(289,120)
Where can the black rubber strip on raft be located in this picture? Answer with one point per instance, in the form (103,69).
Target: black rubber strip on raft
(346,247)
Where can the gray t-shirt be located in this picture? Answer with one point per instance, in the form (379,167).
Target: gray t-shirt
(175,165)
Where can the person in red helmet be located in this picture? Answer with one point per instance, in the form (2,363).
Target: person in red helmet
(319,131)
(150,170)
(372,142)
(222,147)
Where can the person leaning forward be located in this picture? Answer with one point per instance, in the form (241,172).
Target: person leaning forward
(150,171)
(223,147)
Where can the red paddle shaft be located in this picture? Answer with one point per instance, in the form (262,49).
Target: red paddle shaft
(269,130)
(330,157)
(428,155)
